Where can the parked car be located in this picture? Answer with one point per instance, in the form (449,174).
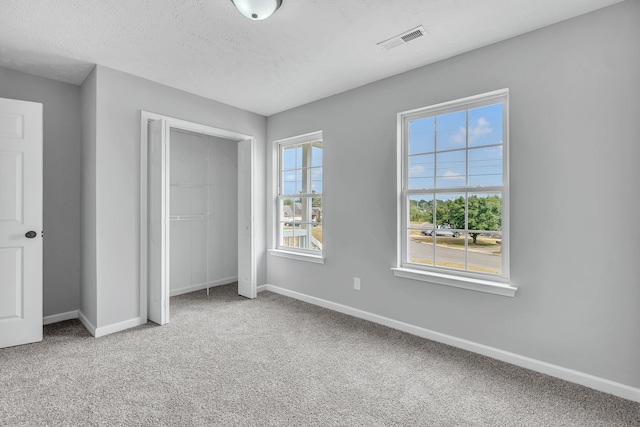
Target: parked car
(444,232)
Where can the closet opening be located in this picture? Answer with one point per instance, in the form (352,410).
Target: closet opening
(196,212)
(203,241)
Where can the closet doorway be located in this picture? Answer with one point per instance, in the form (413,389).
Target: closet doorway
(196,211)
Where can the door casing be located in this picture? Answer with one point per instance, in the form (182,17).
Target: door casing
(179,124)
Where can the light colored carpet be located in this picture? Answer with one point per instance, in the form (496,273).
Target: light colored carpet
(225,360)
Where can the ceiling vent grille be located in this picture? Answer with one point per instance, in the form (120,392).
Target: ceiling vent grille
(403,38)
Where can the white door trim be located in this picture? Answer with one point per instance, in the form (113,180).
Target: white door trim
(174,123)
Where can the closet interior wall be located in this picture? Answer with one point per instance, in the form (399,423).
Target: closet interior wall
(203,211)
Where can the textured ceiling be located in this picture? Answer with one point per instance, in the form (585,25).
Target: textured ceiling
(309,49)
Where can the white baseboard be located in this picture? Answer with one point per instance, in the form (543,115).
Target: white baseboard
(60,317)
(188,289)
(591,381)
(86,323)
(109,329)
(120,326)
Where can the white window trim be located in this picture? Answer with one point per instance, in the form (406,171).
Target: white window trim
(499,285)
(287,252)
(297,255)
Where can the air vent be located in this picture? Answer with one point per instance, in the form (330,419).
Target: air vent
(403,38)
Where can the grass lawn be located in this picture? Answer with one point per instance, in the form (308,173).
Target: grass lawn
(481,241)
(317,232)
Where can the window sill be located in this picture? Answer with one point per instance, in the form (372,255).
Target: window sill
(317,259)
(487,286)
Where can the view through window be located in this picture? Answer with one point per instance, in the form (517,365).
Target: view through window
(454,186)
(300,194)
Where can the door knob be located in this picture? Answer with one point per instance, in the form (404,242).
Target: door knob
(30,234)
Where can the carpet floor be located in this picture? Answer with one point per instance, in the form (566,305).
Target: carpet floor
(275,361)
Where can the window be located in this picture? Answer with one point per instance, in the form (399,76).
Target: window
(454,193)
(299,195)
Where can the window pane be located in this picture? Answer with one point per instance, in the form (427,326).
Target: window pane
(419,248)
(421,211)
(287,231)
(289,210)
(421,171)
(316,232)
(451,131)
(450,214)
(301,235)
(451,169)
(316,180)
(316,154)
(485,125)
(289,182)
(450,249)
(316,210)
(485,166)
(289,157)
(421,135)
(485,212)
(450,221)
(485,256)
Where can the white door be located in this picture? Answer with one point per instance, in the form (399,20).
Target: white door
(20,222)
(246,265)
(158,223)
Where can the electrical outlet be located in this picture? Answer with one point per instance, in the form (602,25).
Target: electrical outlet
(356,283)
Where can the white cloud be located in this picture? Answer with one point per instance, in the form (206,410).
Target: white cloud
(460,137)
(481,127)
(416,170)
(452,176)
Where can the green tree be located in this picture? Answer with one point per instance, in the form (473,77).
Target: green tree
(420,211)
(485,213)
(418,215)
(316,202)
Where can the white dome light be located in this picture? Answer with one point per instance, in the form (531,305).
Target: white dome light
(257,9)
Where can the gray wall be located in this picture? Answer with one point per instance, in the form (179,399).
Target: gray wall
(120,98)
(574,110)
(88,289)
(62,152)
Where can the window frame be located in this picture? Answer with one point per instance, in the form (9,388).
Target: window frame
(302,254)
(484,282)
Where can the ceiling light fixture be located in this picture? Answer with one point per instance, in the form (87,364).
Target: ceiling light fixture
(257,9)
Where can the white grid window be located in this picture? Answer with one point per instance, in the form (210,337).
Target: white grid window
(453,186)
(299,198)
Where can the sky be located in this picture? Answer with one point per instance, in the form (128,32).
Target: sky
(446,148)
(292,163)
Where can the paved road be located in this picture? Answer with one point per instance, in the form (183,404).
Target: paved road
(424,251)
